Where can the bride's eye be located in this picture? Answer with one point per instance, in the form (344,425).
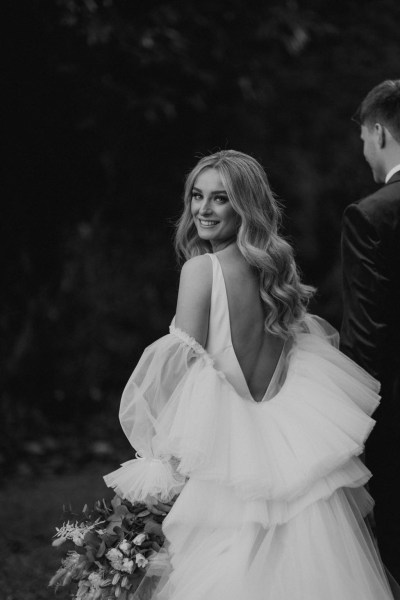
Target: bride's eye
(196,196)
(221,199)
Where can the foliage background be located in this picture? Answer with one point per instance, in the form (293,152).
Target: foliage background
(110,104)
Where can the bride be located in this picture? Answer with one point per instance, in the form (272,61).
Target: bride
(248,413)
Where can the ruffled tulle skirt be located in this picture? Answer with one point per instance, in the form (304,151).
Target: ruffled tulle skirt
(325,552)
(274,505)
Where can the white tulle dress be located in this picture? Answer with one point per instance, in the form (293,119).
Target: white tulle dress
(271,500)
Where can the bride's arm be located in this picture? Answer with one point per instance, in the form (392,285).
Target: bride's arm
(155,383)
(194,298)
(192,314)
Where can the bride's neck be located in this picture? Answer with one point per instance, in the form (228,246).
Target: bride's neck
(218,246)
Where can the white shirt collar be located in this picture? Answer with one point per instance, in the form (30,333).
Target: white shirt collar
(392,172)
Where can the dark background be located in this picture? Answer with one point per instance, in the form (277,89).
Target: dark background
(112,102)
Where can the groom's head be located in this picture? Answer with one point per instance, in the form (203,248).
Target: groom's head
(379,118)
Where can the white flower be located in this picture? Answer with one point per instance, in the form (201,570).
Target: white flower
(90,589)
(139,539)
(115,557)
(95,579)
(141,561)
(67,579)
(83,589)
(59,574)
(127,565)
(71,560)
(73,531)
(77,538)
(58,541)
(125,546)
(113,554)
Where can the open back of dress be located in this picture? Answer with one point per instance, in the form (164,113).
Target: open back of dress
(220,347)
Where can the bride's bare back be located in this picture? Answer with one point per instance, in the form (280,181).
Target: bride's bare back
(257,351)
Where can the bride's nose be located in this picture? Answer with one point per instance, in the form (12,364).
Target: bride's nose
(205,208)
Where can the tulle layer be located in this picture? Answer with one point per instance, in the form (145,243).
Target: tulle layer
(324,553)
(305,439)
(209,504)
(276,450)
(140,478)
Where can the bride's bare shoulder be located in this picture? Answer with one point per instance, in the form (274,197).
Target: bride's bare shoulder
(197,266)
(194,297)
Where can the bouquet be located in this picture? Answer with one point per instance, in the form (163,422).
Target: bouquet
(111,547)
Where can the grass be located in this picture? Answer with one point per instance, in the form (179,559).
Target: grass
(30,510)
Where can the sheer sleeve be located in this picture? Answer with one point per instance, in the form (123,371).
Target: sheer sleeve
(157,379)
(314,325)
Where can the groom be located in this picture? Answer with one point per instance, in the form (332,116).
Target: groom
(371,293)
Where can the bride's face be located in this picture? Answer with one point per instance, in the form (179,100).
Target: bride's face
(212,212)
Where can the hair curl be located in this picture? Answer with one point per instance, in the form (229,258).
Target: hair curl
(258,240)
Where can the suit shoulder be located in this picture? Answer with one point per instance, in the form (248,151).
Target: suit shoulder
(384,204)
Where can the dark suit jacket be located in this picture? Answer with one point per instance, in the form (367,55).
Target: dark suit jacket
(371,292)
(371,336)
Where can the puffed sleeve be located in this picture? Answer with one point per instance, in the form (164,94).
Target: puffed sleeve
(157,379)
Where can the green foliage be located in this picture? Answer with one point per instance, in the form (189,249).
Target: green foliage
(112,546)
(120,98)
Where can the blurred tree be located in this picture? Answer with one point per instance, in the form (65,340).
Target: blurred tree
(114,101)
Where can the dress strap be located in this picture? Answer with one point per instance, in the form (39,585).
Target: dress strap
(219,334)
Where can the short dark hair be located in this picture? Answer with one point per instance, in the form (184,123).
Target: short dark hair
(382,105)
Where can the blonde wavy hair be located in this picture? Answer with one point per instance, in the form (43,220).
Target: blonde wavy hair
(250,195)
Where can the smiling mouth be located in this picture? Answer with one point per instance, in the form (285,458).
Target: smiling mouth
(207,223)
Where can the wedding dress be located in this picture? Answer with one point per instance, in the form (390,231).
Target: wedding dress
(271,503)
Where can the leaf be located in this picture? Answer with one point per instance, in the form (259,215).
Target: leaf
(155,546)
(90,555)
(101,550)
(120,511)
(109,538)
(119,532)
(137,508)
(130,521)
(153,528)
(92,539)
(145,545)
(116,501)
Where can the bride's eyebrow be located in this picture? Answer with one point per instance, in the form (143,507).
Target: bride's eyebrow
(195,189)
